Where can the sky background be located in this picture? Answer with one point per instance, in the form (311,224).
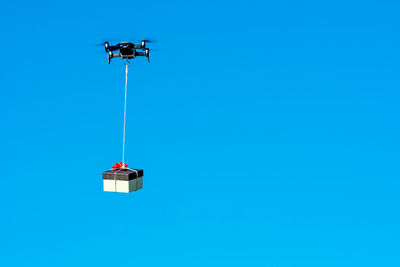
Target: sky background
(268,132)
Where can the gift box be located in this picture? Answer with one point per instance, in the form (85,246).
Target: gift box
(122,180)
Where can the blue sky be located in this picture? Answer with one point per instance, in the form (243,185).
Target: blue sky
(267,131)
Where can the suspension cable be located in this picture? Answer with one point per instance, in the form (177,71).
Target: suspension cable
(126,92)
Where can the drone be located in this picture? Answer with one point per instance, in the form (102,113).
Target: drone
(127,50)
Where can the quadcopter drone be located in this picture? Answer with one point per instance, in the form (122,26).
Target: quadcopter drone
(127,50)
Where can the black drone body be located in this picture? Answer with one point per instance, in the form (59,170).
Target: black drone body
(127,50)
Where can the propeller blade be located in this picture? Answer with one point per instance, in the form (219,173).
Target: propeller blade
(150,41)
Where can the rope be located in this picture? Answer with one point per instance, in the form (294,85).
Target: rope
(115,180)
(126,92)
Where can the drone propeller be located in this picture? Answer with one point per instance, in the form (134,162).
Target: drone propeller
(101,43)
(143,43)
(104,44)
(150,40)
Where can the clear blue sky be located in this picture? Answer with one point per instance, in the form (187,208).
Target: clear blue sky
(268,132)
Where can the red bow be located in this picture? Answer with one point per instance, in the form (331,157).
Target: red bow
(119,165)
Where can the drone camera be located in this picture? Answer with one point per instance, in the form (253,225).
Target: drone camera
(106,46)
(143,44)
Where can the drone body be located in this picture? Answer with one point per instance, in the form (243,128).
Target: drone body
(127,50)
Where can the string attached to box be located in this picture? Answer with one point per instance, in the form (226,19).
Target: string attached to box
(126,94)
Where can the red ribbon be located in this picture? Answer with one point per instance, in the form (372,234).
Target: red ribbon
(119,165)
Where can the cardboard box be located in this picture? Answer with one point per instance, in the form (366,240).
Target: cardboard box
(122,180)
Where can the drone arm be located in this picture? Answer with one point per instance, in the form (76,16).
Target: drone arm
(144,54)
(111,55)
(113,47)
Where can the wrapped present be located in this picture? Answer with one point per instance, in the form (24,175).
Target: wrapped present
(122,179)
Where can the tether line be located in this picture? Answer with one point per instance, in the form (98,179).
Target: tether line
(126,93)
